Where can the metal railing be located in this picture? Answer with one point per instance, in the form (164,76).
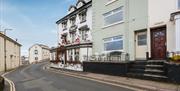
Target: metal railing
(107,58)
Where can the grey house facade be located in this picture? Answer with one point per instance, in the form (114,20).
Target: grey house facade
(140,28)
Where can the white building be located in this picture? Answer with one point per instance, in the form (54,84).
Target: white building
(24,60)
(53,54)
(175,18)
(38,53)
(75,40)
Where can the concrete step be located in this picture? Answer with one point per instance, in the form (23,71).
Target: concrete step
(159,66)
(155,76)
(156,61)
(154,70)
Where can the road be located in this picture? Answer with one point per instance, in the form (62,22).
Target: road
(34,78)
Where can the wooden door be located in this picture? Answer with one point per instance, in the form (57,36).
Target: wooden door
(158,43)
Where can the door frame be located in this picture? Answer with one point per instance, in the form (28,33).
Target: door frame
(151,34)
(136,41)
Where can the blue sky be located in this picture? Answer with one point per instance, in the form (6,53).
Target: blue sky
(33,21)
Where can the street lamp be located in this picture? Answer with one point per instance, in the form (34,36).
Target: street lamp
(7,29)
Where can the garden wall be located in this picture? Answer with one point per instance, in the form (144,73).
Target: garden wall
(109,68)
(173,72)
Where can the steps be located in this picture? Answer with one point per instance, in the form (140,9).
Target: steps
(151,69)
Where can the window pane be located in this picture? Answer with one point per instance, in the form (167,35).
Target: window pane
(116,45)
(107,39)
(35,51)
(178,4)
(117,10)
(117,37)
(142,40)
(116,17)
(113,16)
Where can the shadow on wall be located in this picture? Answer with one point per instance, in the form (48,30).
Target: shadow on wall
(1,83)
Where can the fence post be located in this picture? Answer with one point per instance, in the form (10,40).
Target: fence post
(147,55)
(127,57)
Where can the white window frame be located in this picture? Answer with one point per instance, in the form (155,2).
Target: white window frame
(138,40)
(112,40)
(36,52)
(178,5)
(64,25)
(112,13)
(110,2)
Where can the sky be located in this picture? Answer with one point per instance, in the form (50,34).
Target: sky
(33,21)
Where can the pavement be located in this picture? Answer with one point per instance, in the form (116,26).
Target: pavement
(35,78)
(1,73)
(146,85)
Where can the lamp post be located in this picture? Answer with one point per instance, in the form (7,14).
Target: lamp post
(5,51)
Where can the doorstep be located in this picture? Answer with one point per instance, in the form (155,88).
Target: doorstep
(131,82)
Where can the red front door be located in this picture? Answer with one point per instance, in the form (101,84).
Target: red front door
(158,43)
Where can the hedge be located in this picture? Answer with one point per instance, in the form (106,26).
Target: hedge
(1,83)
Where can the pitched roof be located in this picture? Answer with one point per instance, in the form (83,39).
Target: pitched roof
(41,45)
(87,4)
(10,39)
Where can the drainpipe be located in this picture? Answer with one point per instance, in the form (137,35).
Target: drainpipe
(19,56)
(177,31)
(5,56)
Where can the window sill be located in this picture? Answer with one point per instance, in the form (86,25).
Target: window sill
(112,24)
(114,51)
(64,29)
(82,21)
(110,2)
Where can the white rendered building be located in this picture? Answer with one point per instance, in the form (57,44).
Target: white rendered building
(38,53)
(75,40)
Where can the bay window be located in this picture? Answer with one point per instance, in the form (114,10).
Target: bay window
(73,21)
(113,43)
(72,35)
(64,26)
(83,34)
(82,17)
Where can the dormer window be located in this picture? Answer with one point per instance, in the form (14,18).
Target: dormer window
(80,3)
(64,25)
(73,21)
(82,17)
(64,38)
(72,8)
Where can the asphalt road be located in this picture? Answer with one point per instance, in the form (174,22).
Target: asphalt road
(34,78)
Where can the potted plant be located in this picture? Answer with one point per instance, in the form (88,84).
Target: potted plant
(176,58)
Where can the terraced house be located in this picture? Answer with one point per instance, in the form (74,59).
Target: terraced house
(75,40)
(9,53)
(140,28)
